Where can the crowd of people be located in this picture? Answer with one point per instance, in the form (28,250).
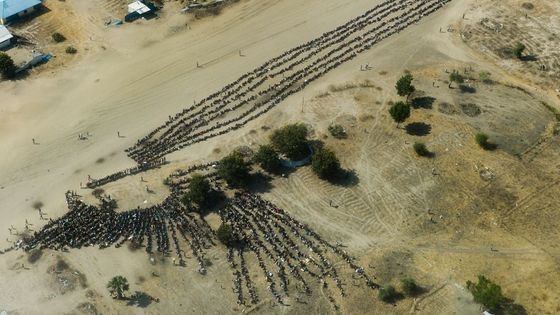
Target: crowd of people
(249,96)
(277,239)
(88,225)
(286,250)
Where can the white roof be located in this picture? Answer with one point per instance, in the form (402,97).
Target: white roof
(4,34)
(138,6)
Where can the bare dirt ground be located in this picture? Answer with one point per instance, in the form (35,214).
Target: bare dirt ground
(442,220)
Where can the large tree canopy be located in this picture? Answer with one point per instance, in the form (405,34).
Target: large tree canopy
(400,111)
(487,293)
(291,140)
(325,164)
(234,170)
(199,191)
(404,85)
(268,158)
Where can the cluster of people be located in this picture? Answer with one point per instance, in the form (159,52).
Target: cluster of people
(277,239)
(306,63)
(87,225)
(141,167)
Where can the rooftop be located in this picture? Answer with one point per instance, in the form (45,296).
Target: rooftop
(12,7)
(4,34)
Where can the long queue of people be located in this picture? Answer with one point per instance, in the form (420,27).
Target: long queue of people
(203,120)
(277,239)
(140,168)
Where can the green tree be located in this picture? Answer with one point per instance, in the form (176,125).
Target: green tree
(455,77)
(400,111)
(325,164)
(7,66)
(518,50)
(409,287)
(199,191)
(388,294)
(225,234)
(404,86)
(487,293)
(268,158)
(234,170)
(291,140)
(117,286)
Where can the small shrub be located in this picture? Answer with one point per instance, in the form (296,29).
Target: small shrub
(388,294)
(7,66)
(58,38)
(484,77)
(482,140)
(518,50)
(337,131)
(421,149)
(118,286)
(71,50)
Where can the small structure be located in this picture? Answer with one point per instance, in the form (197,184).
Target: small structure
(137,9)
(5,37)
(12,9)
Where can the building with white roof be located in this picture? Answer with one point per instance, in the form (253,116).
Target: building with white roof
(10,9)
(138,7)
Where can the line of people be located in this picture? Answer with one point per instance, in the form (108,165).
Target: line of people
(206,119)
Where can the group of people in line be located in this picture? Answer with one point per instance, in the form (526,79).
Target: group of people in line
(258,91)
(285,249)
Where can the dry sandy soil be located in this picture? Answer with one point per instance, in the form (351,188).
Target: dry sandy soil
(442,220)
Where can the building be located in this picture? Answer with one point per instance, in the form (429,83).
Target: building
(138,7)
(5,37)
(12,9)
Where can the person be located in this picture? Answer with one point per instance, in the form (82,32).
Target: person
(33,139)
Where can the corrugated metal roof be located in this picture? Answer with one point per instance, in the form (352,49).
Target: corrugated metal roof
(4,34)
(11,7)
(139,7)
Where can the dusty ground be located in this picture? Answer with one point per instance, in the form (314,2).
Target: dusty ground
(442,220)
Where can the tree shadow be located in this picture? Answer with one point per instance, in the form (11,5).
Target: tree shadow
(346,178)
(140,299)
(467,89)
(419,129)
(529,58)
(490,146)
(217,200)
(426,102)
(511,308)
(259,183)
